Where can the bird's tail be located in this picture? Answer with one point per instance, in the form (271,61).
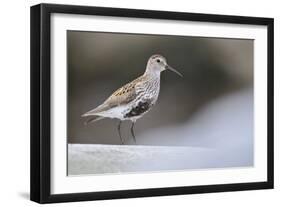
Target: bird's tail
(96,111)
(93,119)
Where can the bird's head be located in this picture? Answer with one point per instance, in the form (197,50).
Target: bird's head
(157,64)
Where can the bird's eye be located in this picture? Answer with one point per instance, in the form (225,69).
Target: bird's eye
(158,60)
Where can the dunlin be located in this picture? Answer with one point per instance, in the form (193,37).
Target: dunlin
(136,98)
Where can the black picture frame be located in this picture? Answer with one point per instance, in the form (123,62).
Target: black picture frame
(41,97)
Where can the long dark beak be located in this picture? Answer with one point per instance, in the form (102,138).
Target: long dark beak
(174,70)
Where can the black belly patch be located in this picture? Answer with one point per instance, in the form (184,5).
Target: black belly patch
(138,110)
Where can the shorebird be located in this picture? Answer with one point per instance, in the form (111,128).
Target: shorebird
(136,98)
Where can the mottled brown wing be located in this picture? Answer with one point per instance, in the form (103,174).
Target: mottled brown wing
(121,96)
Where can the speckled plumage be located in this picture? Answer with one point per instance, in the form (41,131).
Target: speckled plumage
(143,89)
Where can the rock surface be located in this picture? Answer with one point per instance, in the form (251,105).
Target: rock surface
(100,159)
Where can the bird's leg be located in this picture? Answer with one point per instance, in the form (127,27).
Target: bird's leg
(119,131)
(132,131)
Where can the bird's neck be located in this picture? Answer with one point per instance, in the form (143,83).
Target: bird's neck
(152,73)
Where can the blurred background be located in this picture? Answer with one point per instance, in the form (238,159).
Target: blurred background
(211,106)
